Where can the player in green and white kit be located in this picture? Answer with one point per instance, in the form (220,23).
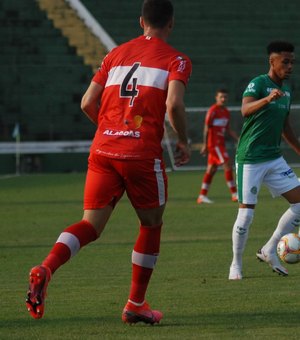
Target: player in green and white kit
(265,107)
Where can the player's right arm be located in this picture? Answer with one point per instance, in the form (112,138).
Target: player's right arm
(177,117)
(250,105)
(91,101)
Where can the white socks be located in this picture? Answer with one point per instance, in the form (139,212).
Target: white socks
(287,224)
(240,233)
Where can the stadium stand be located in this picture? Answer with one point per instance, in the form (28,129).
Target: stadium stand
(226,42)
(72,27)
(42,77)
(44,74)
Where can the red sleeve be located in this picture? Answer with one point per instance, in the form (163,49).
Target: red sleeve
(180,69)
(101,75)
(209,116)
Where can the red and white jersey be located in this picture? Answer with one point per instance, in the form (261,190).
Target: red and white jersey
(135,77)
(217,120)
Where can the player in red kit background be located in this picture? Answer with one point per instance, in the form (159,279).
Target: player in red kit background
(137,83)
(215,129)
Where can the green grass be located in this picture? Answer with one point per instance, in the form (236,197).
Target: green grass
(190,285)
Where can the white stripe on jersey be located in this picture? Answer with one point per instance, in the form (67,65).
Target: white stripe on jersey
(71,241)
(160,182)
(220,122)
(143,260)
(146,76)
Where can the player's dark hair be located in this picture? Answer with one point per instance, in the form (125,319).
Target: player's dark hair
(157,13)
(280,46)
(221,90)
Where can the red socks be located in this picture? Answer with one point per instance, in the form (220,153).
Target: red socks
(69,243)
(144,257)
(207,179)
(230,181)
(206,183)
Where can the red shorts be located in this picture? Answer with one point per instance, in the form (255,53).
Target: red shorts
(144,181)
(217,155)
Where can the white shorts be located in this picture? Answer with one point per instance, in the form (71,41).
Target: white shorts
(275,174)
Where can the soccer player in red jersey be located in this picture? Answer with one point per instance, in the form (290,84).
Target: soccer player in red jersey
(137,83)
(215,128)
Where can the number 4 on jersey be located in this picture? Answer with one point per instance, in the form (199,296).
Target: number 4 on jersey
(130,90)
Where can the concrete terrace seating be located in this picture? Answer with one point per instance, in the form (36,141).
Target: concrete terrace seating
(226,42)
(42,78)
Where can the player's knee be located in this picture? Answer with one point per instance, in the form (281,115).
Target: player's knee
(295,208)
(227,167)
(211,171)
(245,215)
(151,217)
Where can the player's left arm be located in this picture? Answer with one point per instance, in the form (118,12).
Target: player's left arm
(91,101)
(177,117)
(290,137)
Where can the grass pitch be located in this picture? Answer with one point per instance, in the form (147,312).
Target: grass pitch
(189,284)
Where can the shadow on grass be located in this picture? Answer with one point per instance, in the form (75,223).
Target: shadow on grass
(224,320)
(122,243)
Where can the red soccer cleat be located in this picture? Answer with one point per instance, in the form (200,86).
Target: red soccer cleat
(39,278)
(133,314)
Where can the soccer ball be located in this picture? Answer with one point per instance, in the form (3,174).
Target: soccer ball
(288,248)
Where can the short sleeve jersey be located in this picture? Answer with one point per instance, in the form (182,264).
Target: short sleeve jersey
(217,120)
(135,78)
(261,132)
